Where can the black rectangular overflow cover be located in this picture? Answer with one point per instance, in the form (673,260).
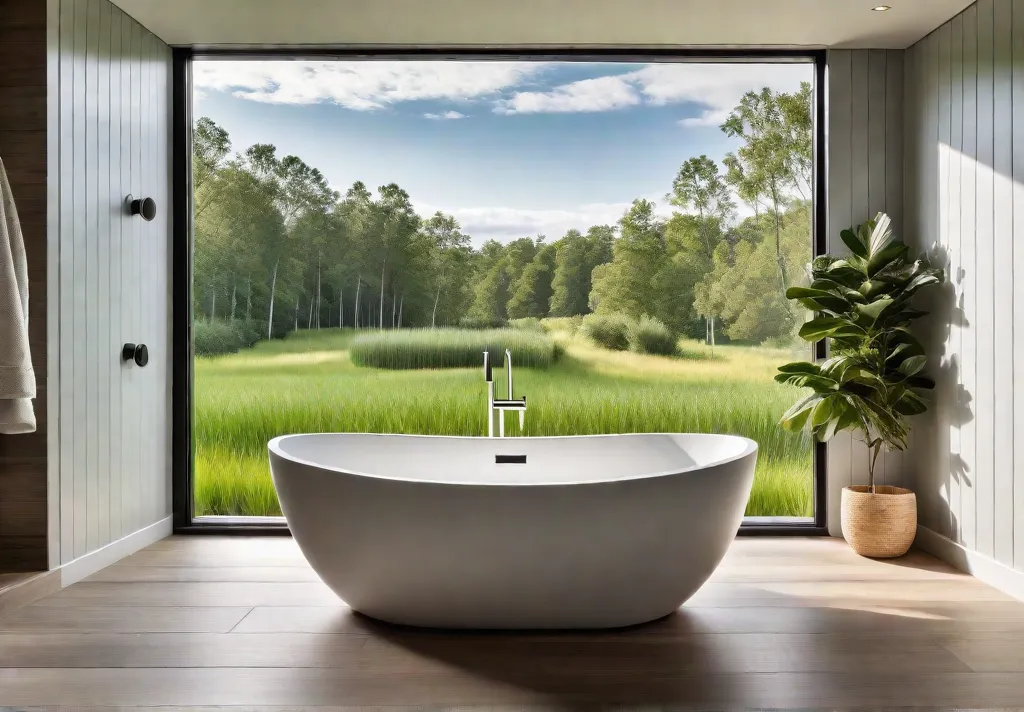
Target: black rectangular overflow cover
(510,459)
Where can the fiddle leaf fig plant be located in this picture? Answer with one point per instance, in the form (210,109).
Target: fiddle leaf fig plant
(874,376)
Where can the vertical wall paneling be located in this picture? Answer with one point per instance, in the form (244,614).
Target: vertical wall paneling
(947,392)
(1018,267)
(127,243)
(107,204)
(133,377)
(840,110)
(964,169)
(938,163)
(79,466)
(971,284)
(953,194)
(922,233)
(147,506)
(113,274)
(92,241)
(865,176)
(113,365)
(66,266)
(1002,283)
(910,130)
(893,197)
(980,326)
(877,78)
(860,194)
(920,171)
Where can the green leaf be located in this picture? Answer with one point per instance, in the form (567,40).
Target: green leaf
(796,417)
(910,403)
(820,328)
(881,234)
(828,303)
(836,365)
(880,260)
(872,287)
(822,412)
(798,292)
(920,382)
(853,242)
(874,309)
(913,365)
(900,350)
(800,367)
(805,380)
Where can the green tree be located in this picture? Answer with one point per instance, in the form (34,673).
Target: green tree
(576,256)
(490,294)
(625,285)
(742,286)
(210,147)
(702,193)
(449,253)
(769,164)
(700,188)
(395,225)
(531,293)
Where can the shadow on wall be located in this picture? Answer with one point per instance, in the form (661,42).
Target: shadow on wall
(952,403)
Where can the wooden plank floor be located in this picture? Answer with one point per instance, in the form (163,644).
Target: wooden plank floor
(785,623)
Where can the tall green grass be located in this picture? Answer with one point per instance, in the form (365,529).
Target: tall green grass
(451,348)
(307,383)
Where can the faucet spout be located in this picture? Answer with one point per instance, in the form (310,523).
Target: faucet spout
(502,405)
(508,366)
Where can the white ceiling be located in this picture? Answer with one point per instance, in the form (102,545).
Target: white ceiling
(631,23)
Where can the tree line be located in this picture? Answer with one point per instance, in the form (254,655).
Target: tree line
(275,244)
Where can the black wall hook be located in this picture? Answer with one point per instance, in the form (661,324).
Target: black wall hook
(135,352)
(146,207)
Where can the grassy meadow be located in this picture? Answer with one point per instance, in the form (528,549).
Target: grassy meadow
(309,383)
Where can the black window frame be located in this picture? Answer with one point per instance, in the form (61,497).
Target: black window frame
(182,372)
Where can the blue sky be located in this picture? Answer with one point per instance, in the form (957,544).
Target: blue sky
(512,149)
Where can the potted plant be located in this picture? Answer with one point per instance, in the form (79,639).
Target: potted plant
(873,379)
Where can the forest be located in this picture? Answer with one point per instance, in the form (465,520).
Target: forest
(277,249)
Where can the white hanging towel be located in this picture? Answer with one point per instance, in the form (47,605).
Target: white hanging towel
(17,380)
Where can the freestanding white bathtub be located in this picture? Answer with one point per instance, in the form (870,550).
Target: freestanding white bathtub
(590,532)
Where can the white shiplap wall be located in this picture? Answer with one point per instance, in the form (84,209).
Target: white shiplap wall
(965,205)
(865,177)
(113,276)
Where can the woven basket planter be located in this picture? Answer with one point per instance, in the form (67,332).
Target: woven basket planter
(880,524)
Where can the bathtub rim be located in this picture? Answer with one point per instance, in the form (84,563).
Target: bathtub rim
(750,447)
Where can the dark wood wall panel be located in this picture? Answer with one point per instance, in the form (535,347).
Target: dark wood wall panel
(23,463)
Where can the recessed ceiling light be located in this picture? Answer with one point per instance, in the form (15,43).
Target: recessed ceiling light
(881,8)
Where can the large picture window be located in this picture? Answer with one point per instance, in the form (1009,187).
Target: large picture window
(362,229)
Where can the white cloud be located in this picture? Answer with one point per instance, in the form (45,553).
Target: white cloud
(716,88)
(362,86)
(587,95)
(445,116)
(505,223)
(708,117)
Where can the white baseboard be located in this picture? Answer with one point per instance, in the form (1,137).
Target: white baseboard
(84,566)
(997,575)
